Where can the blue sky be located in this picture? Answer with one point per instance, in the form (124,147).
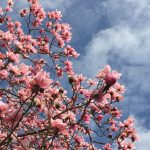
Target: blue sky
(114,32)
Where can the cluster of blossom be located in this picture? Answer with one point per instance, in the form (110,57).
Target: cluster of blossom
(36,111)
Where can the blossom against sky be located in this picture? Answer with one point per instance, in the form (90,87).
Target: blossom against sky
(117,33)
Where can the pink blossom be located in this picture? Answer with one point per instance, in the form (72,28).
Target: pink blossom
(17,24)
(2,55)
(14,116)
(99,117)
(3,135)
(69,51)
(104,72)
(70,115)
(1,11)
(59,72)
(110,80)
(13,57)
(3,74)
(41,79)
(55,15)
(14,69)
(49,24)
(87,118)
(66,36)
(24,69)
(79,139)
(60,42)
(129,122)
(120,88)
(113,127)
(3,106)
(36,110)
(10,2)
(23,12)
(1,63)
(107,147)
(58,124)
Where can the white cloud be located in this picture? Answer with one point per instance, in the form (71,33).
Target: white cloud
(126,46)
(130,45)
(132,12)
(56,4)
(144,134)
(47,4)
(129,50)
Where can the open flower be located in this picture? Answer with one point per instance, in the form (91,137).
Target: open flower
(40,81)
(3,106)
(58,124)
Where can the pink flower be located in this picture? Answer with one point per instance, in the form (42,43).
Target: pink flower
(69,50)
(66,36)
(113,127)
(3,135)
(17,24)
(68,67)
(70,115)
(120,88)
(59,72)
(13,57)
(1,63)
(135,137)
(58,124)
(23,12)
(107,147)
(110,79)
(107,72)
(1,11)
(40,81)
(2,56)
(98,94)
(49,24)
(79,139)
(129,122)
(14,116)
(3,74)
(99,117)
(55,15)
(65,132)
(24,69)
(3,106)
(25,143)
(14,69)
(104,72)
(87,118)
(91,82)
(60,42)
(10,2)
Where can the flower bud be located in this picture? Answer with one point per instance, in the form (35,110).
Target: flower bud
(71,79)
(110,80)
(1,20)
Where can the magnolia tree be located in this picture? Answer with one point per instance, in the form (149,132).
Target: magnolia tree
(36,111)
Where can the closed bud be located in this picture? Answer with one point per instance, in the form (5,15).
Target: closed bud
(71,80)
(61,91)
(57,106)
(1,20)
(109,136)
(110,80)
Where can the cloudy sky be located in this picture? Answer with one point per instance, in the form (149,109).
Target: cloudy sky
(114,32)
